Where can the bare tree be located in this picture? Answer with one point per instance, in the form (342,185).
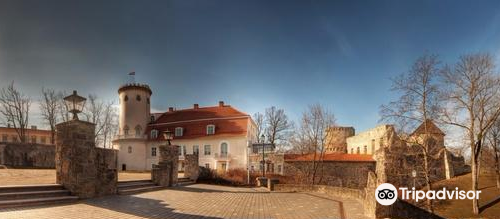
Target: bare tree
(473,96)
(62,108)
(48,107)
(278,125)
(103,115)
(15,107)
(259,122)
(418,103)
(493,137)
(312,134)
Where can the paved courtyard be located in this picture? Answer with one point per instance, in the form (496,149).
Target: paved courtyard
(198,201)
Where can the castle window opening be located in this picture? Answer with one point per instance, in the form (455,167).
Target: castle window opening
(138,98)
(129,149)
(357,151)
(365,149)
(138,130)
(125,98)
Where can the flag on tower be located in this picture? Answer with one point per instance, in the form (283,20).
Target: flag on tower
(131,73)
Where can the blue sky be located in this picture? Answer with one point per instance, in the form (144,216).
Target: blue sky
(251,54)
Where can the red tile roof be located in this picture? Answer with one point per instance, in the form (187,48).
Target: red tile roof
(227,121)
(331,157)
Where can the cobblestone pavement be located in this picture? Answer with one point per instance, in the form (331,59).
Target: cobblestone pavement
(198,201)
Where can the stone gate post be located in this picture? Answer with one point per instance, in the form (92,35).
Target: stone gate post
(83,169)
(191,167)
(165,173)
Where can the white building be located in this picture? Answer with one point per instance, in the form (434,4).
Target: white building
(219,134)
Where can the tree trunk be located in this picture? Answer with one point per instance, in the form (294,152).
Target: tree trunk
(428,181)
(497,166)
(475,174)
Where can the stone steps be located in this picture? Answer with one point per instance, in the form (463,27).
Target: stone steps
(137,186)
(30,195)
(184,181)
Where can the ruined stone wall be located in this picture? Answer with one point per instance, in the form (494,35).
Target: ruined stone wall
(27,155)
(82,168)
(336,139)
(332,173)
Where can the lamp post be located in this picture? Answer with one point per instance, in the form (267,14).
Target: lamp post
(74,104)
(263,137)
(168,135)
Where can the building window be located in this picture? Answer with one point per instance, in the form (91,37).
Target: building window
(179,150)
(184,151)
(147,100)
(126,98)
(33,139)
(178,131)
(138,131)
(153,152)
(125,130)
(279,168)
(154,134)
(152,118)
(365,149)
(196,149)
(210,129)
(129,149)
(352,150)
(207,149)
(207,165)
(357,150)
(223,149)
(43,139)
(138,98)
(252,168)
(4,138)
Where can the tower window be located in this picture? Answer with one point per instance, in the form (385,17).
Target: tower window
(154,134)
(365,149)
(126,98)
(147,100)
(125,130)
(357,150)
(138,131)
(153,152)
(179,131)
(129,149)
(210,129)
(138,97)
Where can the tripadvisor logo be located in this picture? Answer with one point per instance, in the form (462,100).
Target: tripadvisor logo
(386,194)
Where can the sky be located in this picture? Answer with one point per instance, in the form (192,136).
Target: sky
(251,54)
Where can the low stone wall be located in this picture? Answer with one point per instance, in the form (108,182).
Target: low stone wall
(332,173)
(165,173)
(27,155)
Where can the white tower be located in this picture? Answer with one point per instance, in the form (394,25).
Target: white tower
(134,110)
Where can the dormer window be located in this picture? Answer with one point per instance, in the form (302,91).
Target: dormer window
(179,131)
(210,129)
(152,118)
(154,134)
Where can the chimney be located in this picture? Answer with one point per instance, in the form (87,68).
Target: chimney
(221,103)
(170,109)
(196,106)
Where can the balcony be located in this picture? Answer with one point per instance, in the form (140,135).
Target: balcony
(120,137)
(222,157)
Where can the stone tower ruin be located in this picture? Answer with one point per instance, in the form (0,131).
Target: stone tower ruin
(336,139)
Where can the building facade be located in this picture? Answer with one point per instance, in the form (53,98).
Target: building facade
(369,141)
(33,135)
(220,134)
(336,139)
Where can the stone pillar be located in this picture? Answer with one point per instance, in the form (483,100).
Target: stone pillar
(83,169)
(165,173)
(191,167)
